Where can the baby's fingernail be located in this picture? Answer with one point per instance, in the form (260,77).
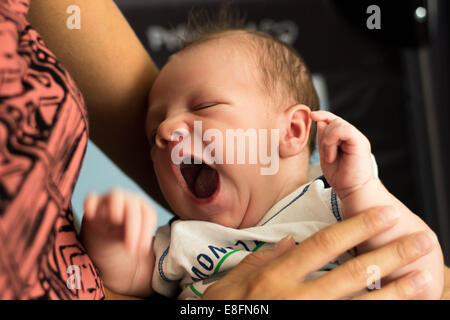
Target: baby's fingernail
(91,195)
(421,279)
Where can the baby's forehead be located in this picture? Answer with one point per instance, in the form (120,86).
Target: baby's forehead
(231,44)
(212,62)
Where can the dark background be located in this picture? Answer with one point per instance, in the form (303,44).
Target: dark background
(391,83)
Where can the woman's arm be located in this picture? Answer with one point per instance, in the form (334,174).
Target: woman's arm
(113,71)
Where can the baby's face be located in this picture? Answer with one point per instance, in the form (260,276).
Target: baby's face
(216,85)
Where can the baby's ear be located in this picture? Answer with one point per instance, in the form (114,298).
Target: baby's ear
(296,122)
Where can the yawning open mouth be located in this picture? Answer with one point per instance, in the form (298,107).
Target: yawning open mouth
(201,179)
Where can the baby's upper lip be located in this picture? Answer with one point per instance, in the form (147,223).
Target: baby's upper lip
(194,158)
(198,160)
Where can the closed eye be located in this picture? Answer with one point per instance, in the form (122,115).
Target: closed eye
(204,106)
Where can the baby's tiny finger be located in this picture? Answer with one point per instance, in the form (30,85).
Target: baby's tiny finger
(148,224)
(331,141)
(116,206)
(132,222)
(90,205)
(322,115)
(341,134)
(331,152)
(321,126)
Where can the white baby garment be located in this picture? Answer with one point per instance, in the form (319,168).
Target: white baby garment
(191,255)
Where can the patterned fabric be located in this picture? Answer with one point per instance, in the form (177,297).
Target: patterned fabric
(43,137)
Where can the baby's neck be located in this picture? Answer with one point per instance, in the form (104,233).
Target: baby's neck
(293,173)
(280,187)
(290,187)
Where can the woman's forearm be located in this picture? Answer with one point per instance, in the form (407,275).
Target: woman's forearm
(113,71)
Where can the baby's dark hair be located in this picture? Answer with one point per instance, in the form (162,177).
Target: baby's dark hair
(284,73)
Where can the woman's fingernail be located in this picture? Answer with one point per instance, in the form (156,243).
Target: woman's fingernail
(389,214)
(424,241)
(286,239)
(421,279)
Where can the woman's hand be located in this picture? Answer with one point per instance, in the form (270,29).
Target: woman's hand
(446,293)
(279,273)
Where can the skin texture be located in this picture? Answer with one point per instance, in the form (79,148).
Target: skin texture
(117,233)
(208,83)
(251,281)
(215,90)
(114,78)
(113,71)
(346,163)
(446,293)
(43,137)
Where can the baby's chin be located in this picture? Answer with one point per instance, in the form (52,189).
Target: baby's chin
(226,219)
(227,215)
(225,210)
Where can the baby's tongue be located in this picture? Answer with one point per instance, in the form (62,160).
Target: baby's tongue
(201,179)
(206,182)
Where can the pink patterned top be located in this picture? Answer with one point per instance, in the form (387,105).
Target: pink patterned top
(43,137)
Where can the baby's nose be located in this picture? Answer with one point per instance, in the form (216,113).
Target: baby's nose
(171,133)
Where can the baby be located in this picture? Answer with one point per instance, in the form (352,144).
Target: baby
(230,80)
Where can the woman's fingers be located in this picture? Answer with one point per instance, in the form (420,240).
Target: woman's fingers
(385,260)
(330,242)
(259,259)
(246,279)
(405,288)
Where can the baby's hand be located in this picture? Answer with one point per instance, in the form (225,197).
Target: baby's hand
(117,231)
(346,162)
(345,156)
(122,216)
